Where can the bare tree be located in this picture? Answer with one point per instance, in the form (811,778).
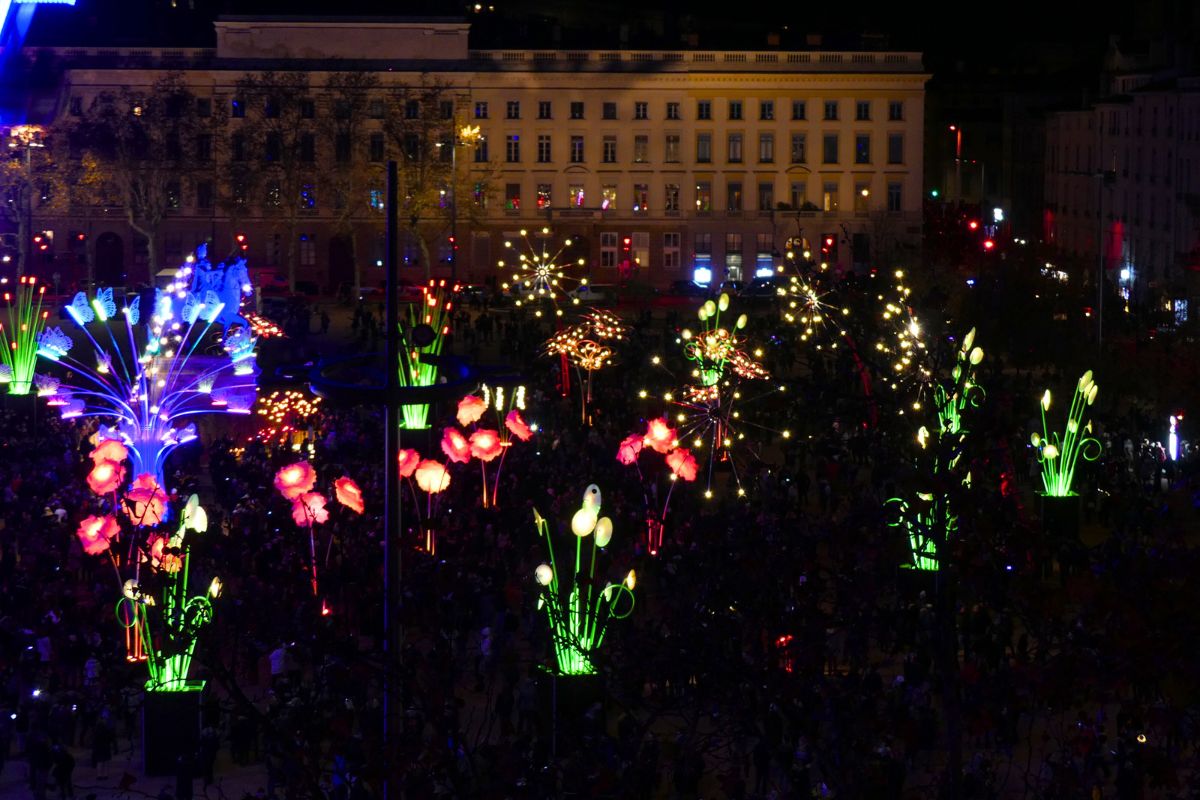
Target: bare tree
(140,141)
(277,144)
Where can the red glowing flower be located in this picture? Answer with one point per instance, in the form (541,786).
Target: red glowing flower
(146,503)
(110,450)
(309,509)
(517,426)
(348,494)
(660,437)
(432,476)
(96,533)
(408,462)
(295,479)
(455,446)
(485,444)
(106,477)
(155,546)
(470,409)
(631,445)
(682,463)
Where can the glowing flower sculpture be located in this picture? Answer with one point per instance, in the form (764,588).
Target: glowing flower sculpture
(409,460)
(708,408)
(486,444)
(660,438)
(470,409)
(349,495)
(588,346)
(149,389)
(455,446)
(146,502)
(106,477)
(542,278)
(577,608)
(19,334)
(428,326)
(162,620)
(295,479)
(927,513)
(1059,455)
(432,476)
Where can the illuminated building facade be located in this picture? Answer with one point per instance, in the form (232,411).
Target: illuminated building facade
(660,165)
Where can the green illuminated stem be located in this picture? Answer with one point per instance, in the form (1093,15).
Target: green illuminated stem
(18,335)
(1059,454)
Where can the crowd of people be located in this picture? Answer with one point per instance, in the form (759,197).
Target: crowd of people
(778,646)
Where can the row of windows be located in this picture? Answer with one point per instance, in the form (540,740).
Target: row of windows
(640,201)
(734,110)
(305,108)
(734,149)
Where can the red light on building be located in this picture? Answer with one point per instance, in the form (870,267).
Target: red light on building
(988,244)
(973,225)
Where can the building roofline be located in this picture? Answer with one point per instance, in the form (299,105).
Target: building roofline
(299,19)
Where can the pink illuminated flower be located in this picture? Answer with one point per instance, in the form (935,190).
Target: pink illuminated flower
(455,446)
(485,444)
(660,437)
(682,463)
(110,450)
(155,546)
(432,476)
(106,477)
(309,509)
(295,479)
(408,462)
(470,409)
(145,503)
(348,494)
(631,445)
(517,426)
(96,533)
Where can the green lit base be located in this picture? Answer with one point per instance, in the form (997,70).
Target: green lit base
(415,417)
(20,387)
(171,727)
(175,686)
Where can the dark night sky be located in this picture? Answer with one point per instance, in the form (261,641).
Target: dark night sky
(943,29)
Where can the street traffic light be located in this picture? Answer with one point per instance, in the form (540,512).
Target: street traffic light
(828,248)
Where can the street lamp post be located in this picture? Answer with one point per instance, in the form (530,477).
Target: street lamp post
(29,137)
(957,162)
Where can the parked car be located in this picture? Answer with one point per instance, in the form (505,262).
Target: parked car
(475,291)
(686,289)
(594,293)
(732,288)
(761,289)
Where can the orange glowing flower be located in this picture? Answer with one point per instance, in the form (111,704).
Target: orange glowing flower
(408,462)
(455,446)
(682,463)
(517,426)
(660,437)
(485,444)
(309,509)
(96,533)
(172,563)
(155,546)
(631,445)
(145,503)
(295,479)
(106,477)
(348,494)
(110,450)
(470,409)
(432,476)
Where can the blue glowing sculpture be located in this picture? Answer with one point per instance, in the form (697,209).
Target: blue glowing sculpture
(149,378)
(230,282)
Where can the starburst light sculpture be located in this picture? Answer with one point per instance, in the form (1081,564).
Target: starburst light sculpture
(540,274)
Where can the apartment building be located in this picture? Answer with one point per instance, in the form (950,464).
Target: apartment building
(660,165)
(1123,179)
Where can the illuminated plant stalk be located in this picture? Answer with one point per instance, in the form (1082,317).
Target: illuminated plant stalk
(578,614)
(149,389)
(18,336)
(928,517)
(1059,455)
(433,311)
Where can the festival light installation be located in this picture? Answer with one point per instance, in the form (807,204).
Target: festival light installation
(577,609)
(428,326)
(903,344)
(708,409)
(483,443)
(19,333)
(284,414)
(928,514)
(588,345)
(152,564)
(1059,455)
(149,389)
(262,327)
(660,438)
(541,275)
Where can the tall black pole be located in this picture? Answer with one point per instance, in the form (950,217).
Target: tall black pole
(391,495)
